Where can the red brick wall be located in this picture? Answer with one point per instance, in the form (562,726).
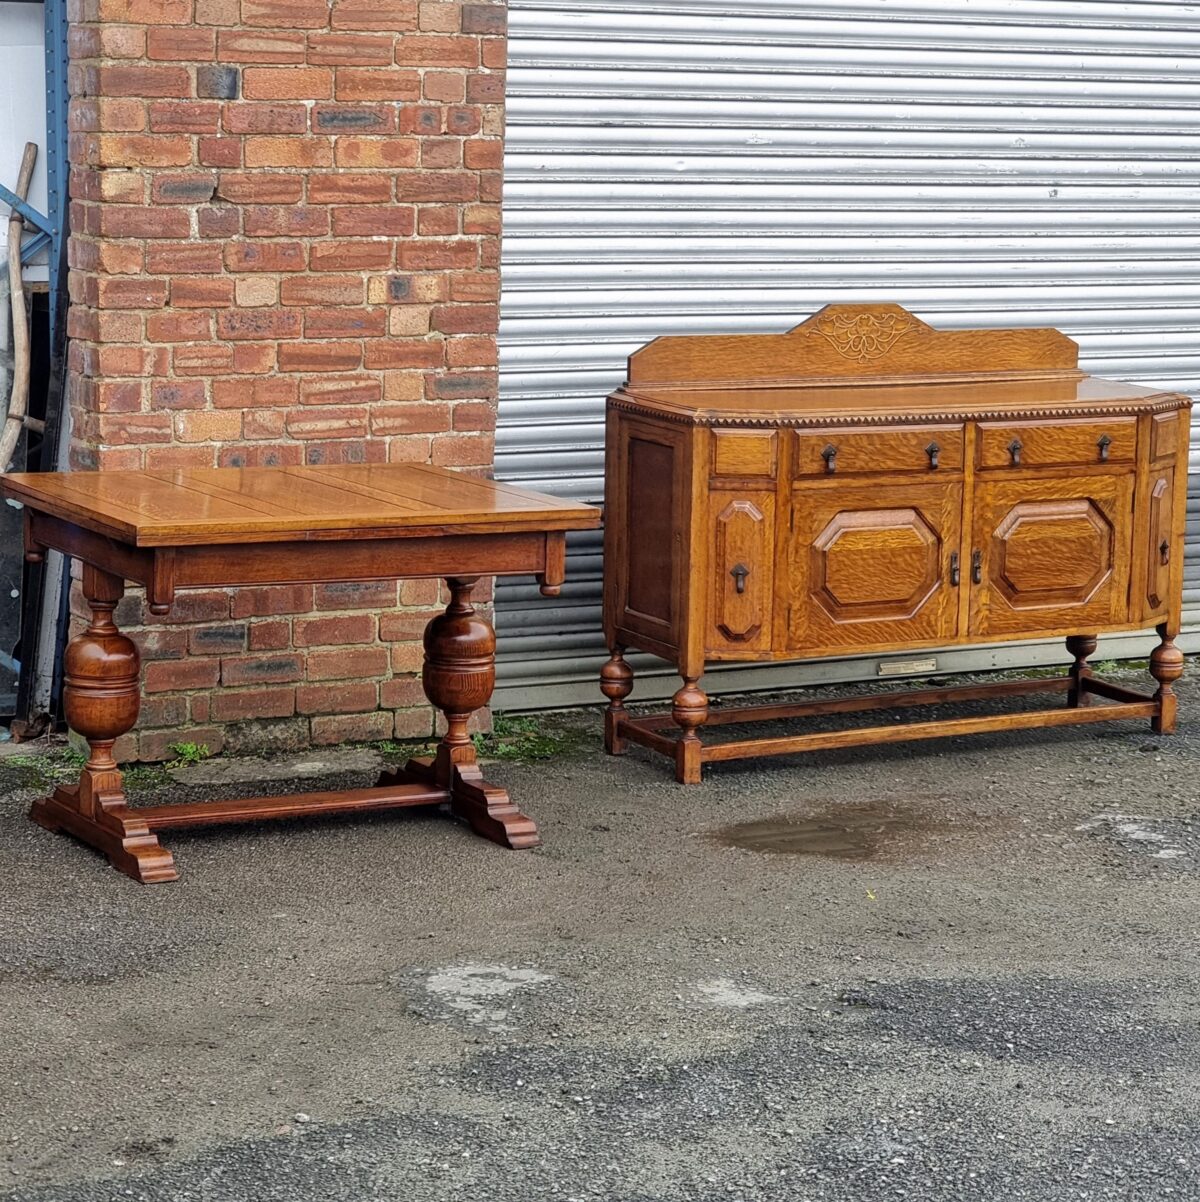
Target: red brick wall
(285,249)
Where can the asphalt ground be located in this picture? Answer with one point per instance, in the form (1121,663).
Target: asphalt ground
(987,989)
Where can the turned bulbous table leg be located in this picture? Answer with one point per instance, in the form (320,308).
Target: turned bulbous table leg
(101,697)
(689,709)
(458,676)
(460,666)
(1080,646)
(616,683)
(1166,666)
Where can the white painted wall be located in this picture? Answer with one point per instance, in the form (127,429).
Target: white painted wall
(22,109)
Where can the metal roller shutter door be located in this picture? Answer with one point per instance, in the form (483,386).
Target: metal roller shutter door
(689,166)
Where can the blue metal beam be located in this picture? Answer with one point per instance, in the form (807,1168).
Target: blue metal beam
(31,248)
(27,211)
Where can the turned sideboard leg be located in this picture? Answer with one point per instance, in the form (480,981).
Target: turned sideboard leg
(616,683)
(101,697)
(1166,666)
(1080,646)
(459,674)
(689,708)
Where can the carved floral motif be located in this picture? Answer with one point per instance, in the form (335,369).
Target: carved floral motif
(864,336)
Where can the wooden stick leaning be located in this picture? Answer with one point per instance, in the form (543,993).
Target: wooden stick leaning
(18,401)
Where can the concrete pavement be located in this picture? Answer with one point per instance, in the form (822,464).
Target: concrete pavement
(984,987)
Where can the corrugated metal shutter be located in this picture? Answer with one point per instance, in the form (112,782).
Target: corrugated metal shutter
(689,166)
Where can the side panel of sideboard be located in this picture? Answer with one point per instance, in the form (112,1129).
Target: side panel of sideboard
(647,520)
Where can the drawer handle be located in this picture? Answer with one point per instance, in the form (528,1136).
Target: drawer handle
(954,573)
(1104,442)
(1164,552)
(933,450)
(977,567)
(739,572)
(1014,452)
(829,454)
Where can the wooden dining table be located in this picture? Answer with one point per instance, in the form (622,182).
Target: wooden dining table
(170,530)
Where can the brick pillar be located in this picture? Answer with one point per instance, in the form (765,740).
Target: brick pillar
(285,249)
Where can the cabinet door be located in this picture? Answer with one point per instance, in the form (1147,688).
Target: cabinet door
(1161,549)
(874,565)
(1050,555)
(742,526)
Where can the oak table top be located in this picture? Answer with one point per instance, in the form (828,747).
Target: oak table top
(227,527)
(191,506)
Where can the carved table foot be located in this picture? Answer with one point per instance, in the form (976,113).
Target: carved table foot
(486,808)
(130,845)
(459,673)
(490,812)
(101,696)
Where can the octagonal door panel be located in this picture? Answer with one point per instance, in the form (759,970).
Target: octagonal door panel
(742,528)
(871,566)
(1053,555)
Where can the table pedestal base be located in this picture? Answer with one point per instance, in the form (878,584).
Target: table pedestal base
(129,836)
(487,809)
(122,834)
(101,696)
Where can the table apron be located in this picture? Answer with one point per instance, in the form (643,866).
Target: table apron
(163,569)
(374,559)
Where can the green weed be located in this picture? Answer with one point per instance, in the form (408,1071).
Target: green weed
(522,738)
(187,754)
(145,777)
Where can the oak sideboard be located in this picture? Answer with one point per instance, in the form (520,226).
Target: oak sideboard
(865,484)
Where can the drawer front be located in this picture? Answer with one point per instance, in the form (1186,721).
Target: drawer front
(844,452)
(741,453)
(1164,437)
(1057,444)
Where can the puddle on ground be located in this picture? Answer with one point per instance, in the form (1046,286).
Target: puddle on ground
(841,832)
